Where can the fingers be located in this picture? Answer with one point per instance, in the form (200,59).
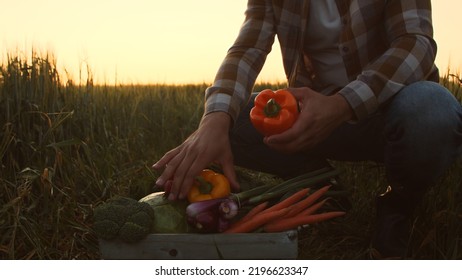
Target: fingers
(298,93)
(179,169)
(184,176)
(291,140)
(285,137)
(303,94)
(287,147)
(230,173)
(182,167)
(163,164)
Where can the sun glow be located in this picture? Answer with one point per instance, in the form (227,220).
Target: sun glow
(144,41)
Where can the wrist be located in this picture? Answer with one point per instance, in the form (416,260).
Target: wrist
(218,119)
(344,108)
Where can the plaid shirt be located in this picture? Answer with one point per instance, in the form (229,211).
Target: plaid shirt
(385,46)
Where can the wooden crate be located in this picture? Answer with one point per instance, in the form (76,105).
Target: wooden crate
(283,245)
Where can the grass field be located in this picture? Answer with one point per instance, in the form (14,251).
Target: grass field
(65,147)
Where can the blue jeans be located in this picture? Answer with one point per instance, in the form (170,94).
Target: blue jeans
(416,136)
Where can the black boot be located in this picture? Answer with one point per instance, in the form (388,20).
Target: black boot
(395,211)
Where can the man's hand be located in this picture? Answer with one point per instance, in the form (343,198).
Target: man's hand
(319,116)
(209,143)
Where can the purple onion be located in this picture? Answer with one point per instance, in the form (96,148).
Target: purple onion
(228,209)
(195,208)
(207,221)
(203,215)
(223,224)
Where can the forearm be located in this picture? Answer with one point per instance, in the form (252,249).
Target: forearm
(239,70)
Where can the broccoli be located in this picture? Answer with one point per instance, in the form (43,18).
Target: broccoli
(124,218)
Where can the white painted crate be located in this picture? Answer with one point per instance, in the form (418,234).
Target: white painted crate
(282,245)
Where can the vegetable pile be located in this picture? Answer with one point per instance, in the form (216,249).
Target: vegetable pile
(214,209)
(256,209)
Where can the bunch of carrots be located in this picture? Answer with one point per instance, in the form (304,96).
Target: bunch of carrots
(300,208)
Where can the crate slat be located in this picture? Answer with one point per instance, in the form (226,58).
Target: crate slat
(283,245)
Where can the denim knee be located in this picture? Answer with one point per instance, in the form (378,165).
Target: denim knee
(427,105)
(423,134)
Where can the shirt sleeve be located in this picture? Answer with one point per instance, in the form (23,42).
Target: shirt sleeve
(239,70)
(409,58)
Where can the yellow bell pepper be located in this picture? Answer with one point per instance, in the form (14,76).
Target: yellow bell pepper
(209,185)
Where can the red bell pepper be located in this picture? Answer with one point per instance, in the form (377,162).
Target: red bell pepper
(274,111)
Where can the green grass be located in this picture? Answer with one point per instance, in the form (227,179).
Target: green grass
(65,148)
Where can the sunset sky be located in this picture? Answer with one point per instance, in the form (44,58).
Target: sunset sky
(153,41)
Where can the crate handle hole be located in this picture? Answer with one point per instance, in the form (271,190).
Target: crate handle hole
(173,252)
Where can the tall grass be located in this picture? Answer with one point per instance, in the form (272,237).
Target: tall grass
(66,147)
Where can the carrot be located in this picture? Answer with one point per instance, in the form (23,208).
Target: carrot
(256,221)
(257,209)
(289,200)
(313,208)
(294,222)
(252,212)
(308,201)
